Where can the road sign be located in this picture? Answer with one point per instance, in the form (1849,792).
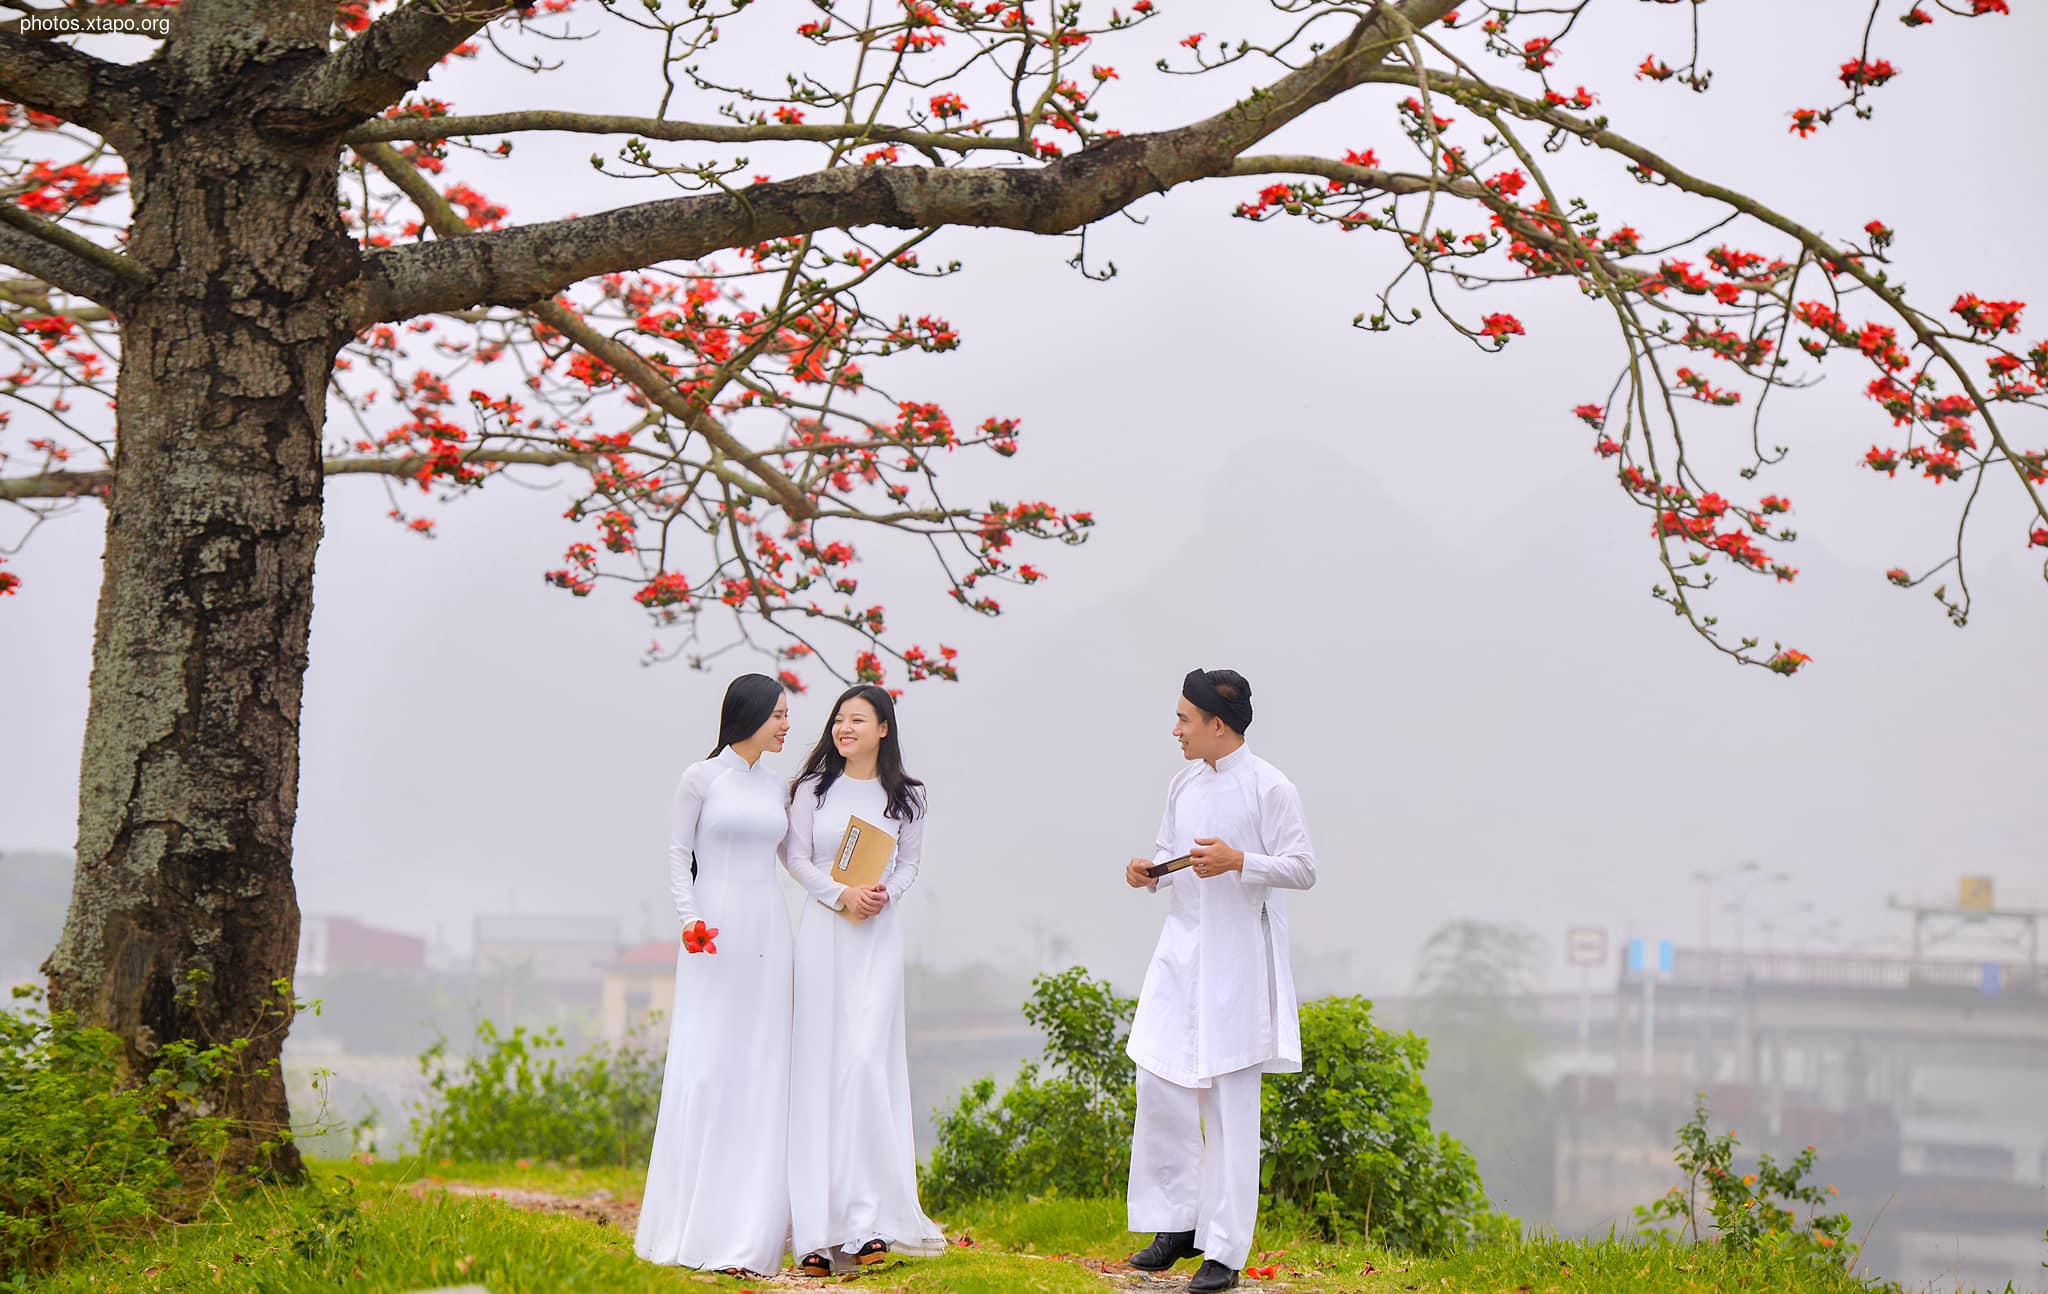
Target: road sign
(1642,951)
(1975,894)
(1585,946)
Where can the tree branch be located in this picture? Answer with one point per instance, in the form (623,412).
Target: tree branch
(60,257)
(72,485)
(400,129)
(33,295)
(522,265)
(379,67)
(41,74)
(1596,133)
(54,485)
(657,386)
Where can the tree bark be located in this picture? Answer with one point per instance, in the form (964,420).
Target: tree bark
(184,913)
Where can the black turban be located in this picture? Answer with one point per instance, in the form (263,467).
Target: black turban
(1204,688)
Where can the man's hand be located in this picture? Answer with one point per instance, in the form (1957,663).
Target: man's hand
(1135,877)
(1212,857)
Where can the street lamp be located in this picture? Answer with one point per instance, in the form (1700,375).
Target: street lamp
(1707,880)
(1753,882)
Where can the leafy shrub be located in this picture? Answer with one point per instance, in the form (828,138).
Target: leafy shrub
(1348,1145)
(1064,1123)
(1747,1211)
(84,1155)
(516,1098)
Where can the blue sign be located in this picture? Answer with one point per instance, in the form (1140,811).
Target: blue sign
(1639,956)
(1994,978)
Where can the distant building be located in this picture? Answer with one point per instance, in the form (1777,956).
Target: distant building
(545,948)
(328,944)
(639,983)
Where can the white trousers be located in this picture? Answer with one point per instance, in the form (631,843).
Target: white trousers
(1195,1161)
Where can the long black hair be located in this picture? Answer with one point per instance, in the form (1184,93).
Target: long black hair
(905,793)
(749,703)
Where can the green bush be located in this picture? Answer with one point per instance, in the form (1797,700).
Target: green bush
(1063,1124)
(83,1153)
(1747,1211)
(1348,1146)
(516,1098)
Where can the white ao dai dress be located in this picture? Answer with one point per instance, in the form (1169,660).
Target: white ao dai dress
(852,1147)
(717,1184)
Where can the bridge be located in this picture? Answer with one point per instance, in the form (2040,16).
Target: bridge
(1923,1081)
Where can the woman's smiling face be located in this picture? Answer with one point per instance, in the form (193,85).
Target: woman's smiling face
(857,731)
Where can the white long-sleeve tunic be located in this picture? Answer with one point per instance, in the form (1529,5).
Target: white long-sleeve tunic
(1219,994)
(718,1180)
(852,1147)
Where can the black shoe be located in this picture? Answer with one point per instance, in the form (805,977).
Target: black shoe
(1166,1249)
(1213,1276)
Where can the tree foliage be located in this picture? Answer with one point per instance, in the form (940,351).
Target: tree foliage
(708,369)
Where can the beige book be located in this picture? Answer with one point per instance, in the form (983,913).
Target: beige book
(862,856)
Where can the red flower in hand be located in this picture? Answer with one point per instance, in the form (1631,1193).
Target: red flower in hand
(697,938)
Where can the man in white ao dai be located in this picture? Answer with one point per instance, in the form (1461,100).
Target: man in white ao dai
(1218,1009)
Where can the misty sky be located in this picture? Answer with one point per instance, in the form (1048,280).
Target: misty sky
(1439,594)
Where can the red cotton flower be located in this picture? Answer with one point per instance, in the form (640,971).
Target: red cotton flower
(1501,326)
(697,938)
(1989,317)
(1916,17)
(2039,540)
(1873,72)
(1787,662)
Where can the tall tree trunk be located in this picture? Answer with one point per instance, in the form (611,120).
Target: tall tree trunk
(183,913)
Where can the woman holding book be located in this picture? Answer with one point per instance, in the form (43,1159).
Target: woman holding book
(852,1156)
(717,1192)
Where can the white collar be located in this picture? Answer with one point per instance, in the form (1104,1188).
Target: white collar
(1235,759)
(733,759)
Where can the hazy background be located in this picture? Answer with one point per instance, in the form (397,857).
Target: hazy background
(1438,592)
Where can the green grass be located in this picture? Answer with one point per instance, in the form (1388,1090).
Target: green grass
(1095,1229)
(532,1175)
(374,1228)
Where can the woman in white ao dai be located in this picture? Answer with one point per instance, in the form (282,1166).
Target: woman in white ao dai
(852,1153)
(717,1194)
